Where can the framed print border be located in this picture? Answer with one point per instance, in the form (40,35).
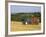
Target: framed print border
(6,17)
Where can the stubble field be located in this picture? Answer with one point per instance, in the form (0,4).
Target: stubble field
(19,26)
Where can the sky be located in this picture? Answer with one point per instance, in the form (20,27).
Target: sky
(25,9)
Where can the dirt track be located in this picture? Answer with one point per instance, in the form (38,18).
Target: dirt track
(18,26)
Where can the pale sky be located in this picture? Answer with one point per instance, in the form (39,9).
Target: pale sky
(25,9)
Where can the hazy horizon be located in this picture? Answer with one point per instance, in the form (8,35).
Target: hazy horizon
(25,12)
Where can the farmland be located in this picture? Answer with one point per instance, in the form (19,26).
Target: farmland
(18,26)
(17,20)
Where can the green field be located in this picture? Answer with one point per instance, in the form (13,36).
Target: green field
(18,26)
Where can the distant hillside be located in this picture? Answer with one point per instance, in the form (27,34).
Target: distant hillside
(20,16)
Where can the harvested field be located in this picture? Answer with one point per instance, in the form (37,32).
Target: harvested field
(19,26)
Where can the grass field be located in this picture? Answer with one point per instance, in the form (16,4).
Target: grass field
(18,26)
